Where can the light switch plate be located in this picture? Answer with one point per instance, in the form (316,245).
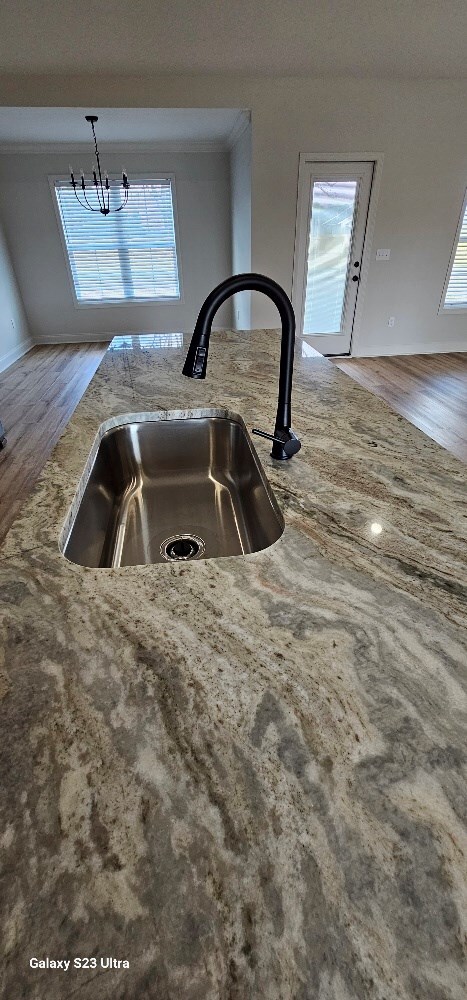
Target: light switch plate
(383,254)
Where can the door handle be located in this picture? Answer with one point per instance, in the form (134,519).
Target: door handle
(355,277)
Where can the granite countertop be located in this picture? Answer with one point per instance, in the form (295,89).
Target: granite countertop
(244,776)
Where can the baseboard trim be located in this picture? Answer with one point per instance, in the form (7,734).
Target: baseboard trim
(441,347)
(84,338)
(15,354)
(98,338)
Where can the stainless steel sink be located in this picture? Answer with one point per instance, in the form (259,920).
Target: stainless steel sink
(163,490)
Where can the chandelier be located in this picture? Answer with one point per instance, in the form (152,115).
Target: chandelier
(101,186)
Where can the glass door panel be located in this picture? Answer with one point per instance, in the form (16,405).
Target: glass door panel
(331,228)
(332,213)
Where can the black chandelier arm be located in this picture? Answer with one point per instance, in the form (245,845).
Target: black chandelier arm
(124,202)
(87,206)
(106,211)
(91,209)
(99,209)
(99,194)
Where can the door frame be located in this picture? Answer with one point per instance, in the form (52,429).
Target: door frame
(297,277)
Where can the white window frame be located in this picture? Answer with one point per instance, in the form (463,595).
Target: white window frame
(125,303)
(443,309)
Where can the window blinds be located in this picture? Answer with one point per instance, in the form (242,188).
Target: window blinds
(126,255)
(456,292)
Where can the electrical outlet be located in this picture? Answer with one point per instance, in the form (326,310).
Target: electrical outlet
(391,320)
(383,254)
(12,322)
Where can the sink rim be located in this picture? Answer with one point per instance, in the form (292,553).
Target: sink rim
(155,416)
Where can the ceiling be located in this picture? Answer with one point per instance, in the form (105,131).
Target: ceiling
(139,125)
(409,39)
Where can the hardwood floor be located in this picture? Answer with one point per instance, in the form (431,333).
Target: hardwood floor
(38,395)
(430,390)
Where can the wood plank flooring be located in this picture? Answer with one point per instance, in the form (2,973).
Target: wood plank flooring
(430,390)
(38,395)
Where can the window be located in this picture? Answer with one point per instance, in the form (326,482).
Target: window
(126,256)
(455,290)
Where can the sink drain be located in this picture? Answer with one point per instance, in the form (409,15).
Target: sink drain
(182,548)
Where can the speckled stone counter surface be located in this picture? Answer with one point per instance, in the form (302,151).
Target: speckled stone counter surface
(245,776)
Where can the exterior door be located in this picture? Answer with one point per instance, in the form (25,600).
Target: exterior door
(332,211)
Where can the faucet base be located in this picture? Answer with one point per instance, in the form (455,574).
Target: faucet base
(285,445)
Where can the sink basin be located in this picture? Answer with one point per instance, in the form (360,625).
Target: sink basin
(171,488)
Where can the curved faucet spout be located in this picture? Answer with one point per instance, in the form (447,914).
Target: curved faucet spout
(285,443)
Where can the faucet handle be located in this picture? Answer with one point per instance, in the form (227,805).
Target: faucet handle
(288,442)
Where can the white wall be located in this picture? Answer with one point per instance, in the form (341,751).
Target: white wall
(14,333)
(419,126)
(240,185)
(202,183)
(420,129)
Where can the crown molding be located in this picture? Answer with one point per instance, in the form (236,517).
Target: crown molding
(70,148)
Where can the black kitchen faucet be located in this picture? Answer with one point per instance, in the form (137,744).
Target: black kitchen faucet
(285,442)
